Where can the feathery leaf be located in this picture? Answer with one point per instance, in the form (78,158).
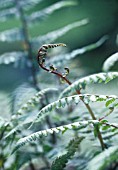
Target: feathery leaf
(61,161)
(35,99)
(68,100)
(37,135)
(82,82)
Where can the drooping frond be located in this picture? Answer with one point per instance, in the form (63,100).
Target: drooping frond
(35,99)
(52,36)
(109,62)
(61,103)
(61,161)
(40,15)
(35,136)
(12,57)
(104,159)
(11,35)
(68,56)
(82,82)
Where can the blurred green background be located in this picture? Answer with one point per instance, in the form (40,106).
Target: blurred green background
(102,16)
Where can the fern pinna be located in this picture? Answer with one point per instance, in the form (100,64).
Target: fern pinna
(66,98)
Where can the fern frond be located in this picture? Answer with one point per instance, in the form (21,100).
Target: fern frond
(12,57)
(52,36)
(68,56)
(37,135)
(61,103)
(8,13)
(35,99)
(40,15)
(104,159)
(61,161)
(11,35)
(109,62)
(82,82)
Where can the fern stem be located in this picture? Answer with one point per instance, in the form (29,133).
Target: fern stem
(42,65)
(27,44)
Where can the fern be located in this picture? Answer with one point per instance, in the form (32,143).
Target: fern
(34,100)
(109,62)
(81,83)
(61,103)
(63,128)
(60,162)
(104,159)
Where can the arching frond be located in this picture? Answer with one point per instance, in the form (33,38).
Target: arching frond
(52,36)
(104,159)
(68,100)
(109,62)
(40,15)
(61,161)
(82,82)
(68,56)
(37,135)
(35,99)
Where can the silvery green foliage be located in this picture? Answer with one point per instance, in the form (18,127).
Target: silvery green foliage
(35,136)
(27,4)
(12,57)
(40,15)
(35,99)
(109,62)
(61,161)
(68,56)
(11,35)
(82,82)
(10,10)
(104,159)
(52,36)
(61,103)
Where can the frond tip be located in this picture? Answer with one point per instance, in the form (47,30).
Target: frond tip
(34,100)
(109,62)
(61,161)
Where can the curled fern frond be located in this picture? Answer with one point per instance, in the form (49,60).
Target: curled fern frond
(81,83)
(52,36)
(61,161)
(61,103)
(109,62)
(35,136)
(104,159)
(35,99)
